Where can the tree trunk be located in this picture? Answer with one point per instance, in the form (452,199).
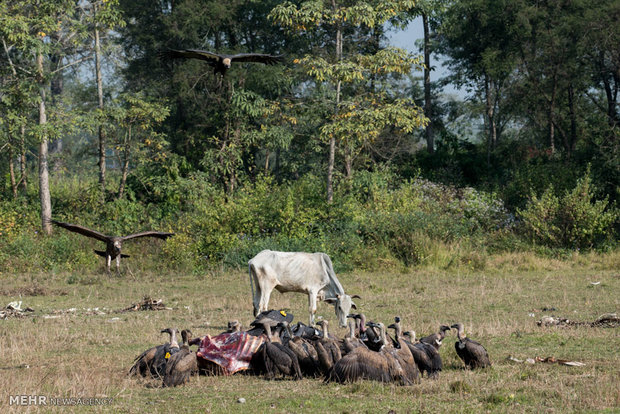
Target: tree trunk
(101,132)
(267,154)
(126,152)
(490,112)
(428,132)
(611,91)
(232,182)
(551,113)
(22,158)
(573,120)
(332,141)
(348,163)
(12,171)
(44,186)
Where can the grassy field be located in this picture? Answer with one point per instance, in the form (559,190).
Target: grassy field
(79,353)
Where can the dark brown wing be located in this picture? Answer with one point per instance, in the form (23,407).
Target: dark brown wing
(479,355)
(82,230)
(158,234)
(362,363)
(256,57)
(179,368)
(212,58)
(142,363)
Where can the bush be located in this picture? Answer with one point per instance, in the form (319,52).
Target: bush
(569,221)
(375,221)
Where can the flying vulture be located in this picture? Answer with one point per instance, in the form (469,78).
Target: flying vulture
(113,243)
(220,63)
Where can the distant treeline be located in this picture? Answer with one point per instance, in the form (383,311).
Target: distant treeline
(346,145)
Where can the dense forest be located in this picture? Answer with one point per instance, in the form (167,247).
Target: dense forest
(345,147)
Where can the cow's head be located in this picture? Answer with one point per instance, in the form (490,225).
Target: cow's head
(343,304)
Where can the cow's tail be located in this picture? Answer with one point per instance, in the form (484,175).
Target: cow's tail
(332,275)
(252,285)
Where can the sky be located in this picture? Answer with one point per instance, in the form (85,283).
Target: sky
(406,39)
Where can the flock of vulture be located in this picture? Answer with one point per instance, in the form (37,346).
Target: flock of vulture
(367,352)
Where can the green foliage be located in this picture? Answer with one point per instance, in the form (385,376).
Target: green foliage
(407,219)
(234,165)
(570,220)
(314,13)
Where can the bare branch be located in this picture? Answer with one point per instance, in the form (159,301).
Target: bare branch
(596,103)
(8,56)
(75,62)
(25,70)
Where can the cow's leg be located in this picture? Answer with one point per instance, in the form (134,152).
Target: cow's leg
(265,286)
(312,306)
(118,264)
(264,300)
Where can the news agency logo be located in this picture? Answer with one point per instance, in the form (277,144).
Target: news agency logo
(44,400)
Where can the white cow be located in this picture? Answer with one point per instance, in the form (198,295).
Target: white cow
(310,273)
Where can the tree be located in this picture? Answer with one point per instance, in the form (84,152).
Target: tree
(429,10)
(15,102)
(335,21)
(213,122)
(134,118)
(104,16)
(24,26)
(477,36)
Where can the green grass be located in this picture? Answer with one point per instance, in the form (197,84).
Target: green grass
(80,355)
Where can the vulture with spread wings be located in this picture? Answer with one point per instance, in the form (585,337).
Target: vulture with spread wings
(113,243)
(220,63)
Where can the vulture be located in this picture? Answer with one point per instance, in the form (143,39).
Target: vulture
(233,326)
(403,354)
(367,333)
(351,341)
(305,352)
(163,354)
(436,339)
(278,358)
(364,363)
(181,365)
(426,356)
(220,63)
(305,331)
(144,363)
(113,243)
(471,352)
(327,349)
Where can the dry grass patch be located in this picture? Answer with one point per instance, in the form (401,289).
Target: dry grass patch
(79,355)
